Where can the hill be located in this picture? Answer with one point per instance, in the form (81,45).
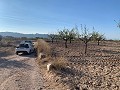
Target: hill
(15,34)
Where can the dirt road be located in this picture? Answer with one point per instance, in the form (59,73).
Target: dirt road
(20,73)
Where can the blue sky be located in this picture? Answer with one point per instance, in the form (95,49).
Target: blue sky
(47,16)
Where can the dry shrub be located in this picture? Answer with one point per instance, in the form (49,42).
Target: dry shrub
(42,47)
(45,61)
(35,44)
(59,63)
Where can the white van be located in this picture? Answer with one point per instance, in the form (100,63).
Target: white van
(25,48)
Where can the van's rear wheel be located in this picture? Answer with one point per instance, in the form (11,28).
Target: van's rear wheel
(24,53)
(30,52)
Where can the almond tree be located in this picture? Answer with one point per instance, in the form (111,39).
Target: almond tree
(64,34)
(85,37)
(52,37)
(118,23)
(57,38)
(72,34)
(0,37)
(97,37)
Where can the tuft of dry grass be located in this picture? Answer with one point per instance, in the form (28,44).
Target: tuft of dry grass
(59,63)
(42,47)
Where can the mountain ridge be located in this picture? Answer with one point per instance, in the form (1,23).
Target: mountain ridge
(16,34)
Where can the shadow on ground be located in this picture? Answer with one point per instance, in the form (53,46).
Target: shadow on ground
(4,63)
(4,54)
(32,55)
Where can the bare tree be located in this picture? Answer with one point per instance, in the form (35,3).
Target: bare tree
(64,34)
(73,34)
(0,37)
(118,23)
(57,38)
(96,36)
(0,40)
(52,37)
(85,37)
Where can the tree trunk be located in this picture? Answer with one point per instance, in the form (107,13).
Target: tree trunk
(70,40)
(65,43)
(98,42)
(52,40)
(85,47)
(56,41)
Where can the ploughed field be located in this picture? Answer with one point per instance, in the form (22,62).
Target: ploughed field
(99,69)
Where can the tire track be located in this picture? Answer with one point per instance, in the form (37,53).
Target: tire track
(21,78)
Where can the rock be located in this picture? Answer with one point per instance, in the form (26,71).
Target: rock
(41,56)
(49,66)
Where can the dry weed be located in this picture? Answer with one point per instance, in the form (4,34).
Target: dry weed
(59,63)
(42,47)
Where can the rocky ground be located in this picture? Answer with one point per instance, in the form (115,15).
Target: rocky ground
(19,72)
(99,69)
